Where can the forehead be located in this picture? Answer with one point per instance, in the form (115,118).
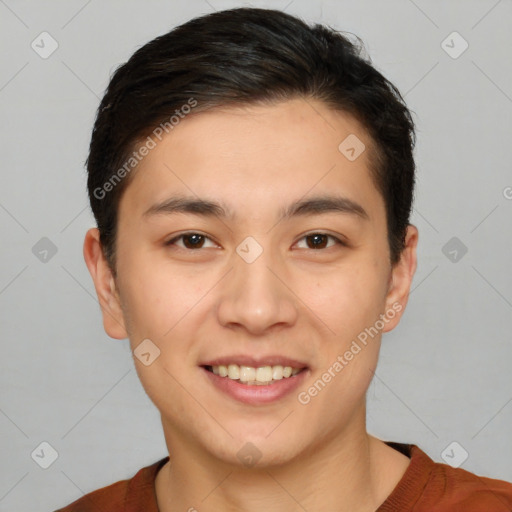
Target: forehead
(255,158)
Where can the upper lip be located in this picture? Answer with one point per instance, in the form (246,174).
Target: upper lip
(255,362)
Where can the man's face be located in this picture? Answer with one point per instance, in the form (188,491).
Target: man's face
(254,284)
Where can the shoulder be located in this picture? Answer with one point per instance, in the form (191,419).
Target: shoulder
(460,490)
(138,490)
(101,499)
(428,486)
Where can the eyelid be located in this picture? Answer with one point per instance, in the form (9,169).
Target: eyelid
(337,238)
(175,238)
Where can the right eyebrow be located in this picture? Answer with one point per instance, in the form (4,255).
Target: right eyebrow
(182,204)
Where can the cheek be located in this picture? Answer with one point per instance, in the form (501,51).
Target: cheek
(347,299)
(156,298)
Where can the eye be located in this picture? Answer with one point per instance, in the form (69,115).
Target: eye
(319,240)
(191,240)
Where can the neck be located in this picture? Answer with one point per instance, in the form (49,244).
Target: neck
(353,470)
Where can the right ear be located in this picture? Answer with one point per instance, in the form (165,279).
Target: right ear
(104,282)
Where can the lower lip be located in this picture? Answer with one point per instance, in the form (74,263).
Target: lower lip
(255,395)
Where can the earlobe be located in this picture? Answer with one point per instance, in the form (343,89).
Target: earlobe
(401,278)
(104,283)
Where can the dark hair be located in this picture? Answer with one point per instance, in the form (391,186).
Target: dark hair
(248,56)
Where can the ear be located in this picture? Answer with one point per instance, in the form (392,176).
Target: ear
(400,280)
(104,282)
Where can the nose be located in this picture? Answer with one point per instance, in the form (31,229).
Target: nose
(255,296)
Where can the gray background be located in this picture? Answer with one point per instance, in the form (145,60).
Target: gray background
(444,373)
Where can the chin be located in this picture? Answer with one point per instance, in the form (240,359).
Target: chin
(250,449)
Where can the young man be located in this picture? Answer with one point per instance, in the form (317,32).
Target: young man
(252,179)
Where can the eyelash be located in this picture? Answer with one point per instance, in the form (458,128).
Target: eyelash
(188,233)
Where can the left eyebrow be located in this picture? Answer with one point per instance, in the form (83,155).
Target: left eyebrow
(324,204)
(307,207)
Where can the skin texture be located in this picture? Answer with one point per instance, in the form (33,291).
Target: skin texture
(294,300)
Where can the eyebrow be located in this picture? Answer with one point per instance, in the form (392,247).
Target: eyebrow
(306,207)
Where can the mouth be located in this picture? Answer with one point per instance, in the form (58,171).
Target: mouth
(255,375)
(256,382)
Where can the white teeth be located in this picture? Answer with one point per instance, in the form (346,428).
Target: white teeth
(234,371)
(264,374)
(277,372)
(247,374)
(255,376)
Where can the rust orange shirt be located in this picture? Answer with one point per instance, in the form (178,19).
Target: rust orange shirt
(426,486)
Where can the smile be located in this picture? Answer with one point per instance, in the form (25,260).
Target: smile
(260,376)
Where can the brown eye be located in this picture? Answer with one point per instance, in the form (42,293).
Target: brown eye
(193,241)
(320,240)
(190,241)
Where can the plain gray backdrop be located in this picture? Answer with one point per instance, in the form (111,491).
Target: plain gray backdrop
(444,374)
